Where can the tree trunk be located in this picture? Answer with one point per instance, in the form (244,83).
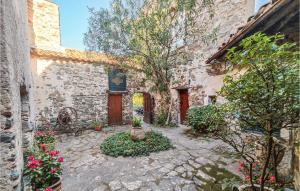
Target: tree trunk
(251,176)
(269,152)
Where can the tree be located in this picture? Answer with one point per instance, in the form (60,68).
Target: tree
(266,93)
(150,34)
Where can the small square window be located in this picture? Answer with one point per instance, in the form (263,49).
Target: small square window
(212,99)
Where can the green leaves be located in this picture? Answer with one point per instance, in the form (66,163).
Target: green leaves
(267,89)
(120,144)
(149,33)
(206,118)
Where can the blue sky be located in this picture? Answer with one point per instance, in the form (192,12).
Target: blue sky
(74,19)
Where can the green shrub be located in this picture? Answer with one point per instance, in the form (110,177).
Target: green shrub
(136,122)
(121,144)
(205,119)
(161,119)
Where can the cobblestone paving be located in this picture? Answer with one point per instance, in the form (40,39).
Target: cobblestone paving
(194,164)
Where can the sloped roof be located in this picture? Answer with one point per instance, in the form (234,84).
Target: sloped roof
(74,55)
(287,8)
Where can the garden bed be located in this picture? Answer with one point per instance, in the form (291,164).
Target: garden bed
(121,144)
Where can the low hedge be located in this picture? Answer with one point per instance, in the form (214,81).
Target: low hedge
(120,144)
(205,119)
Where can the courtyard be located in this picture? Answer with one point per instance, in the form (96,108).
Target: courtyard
(150,95)
(194,164)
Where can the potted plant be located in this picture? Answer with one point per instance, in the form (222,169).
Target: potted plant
(44,169)
(97,125)
(137,133)
(45,137)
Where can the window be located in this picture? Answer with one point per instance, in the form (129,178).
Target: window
(212,99)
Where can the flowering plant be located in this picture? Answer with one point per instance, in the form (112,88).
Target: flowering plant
(244,168)
(44,137)
(44,168)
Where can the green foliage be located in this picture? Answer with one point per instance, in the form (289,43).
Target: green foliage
(205,119)
(136,122)
(266,94)
(121,144)
(44,137)
(43,167)
(160,119)
(150,34)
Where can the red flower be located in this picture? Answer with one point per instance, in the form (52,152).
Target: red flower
(60,159)
(247,178)
(53,153)
(39,133)
(53,170)
(30,158)
(48,189)
(272,179)
(32,164)
(258,180)
(43,147)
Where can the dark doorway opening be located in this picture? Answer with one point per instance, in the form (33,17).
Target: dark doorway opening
(143,107)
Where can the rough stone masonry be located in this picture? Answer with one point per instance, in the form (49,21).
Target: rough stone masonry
(16,92)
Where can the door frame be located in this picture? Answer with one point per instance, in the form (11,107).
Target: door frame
(151,107)
(179,104)
(108,108)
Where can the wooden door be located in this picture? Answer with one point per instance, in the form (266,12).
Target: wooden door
(148,108)
(184,104)
(115,109)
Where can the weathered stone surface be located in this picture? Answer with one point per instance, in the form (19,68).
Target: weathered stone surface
(137,134)
(6,137)
(115,185)
(168,170)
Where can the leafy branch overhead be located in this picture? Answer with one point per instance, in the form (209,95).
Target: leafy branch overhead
(152,34)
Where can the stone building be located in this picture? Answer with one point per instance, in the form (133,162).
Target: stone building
(196,83)
(39,76)
(72,78)
(17,104)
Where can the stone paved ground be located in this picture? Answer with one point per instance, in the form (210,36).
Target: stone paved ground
(195,164)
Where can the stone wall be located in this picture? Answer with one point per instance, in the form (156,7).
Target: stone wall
(70,84)
(196,75)
(16,91)
(44,24)
(83,86)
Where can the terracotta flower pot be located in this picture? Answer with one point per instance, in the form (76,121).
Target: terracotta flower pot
(247,186)
(56,186)
(98,128)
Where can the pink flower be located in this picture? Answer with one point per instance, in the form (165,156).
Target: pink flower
(32,164)
(53,153)
(43,147)
(53,170)
(30,158)
(247,178)
(60,159)
(272,179)
(48,189)
(39,133)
